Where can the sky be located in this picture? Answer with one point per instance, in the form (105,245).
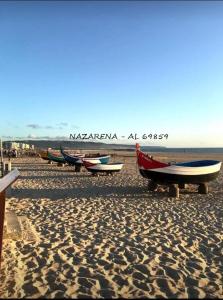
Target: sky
(118,67)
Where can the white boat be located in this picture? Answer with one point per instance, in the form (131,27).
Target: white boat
(103,168)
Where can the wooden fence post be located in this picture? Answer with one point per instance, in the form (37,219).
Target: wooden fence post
(2,163)
(2,215)
(5,182)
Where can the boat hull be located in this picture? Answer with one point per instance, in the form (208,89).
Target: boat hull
(45,158)
(104,168)
(94,160)
(97,159)
(165,178)
(57,159)
(104,160)
(78,159)
(72,160)
(43,155)
(195,172)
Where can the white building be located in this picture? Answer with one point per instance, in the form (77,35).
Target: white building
(11,145)
(24,146)
(17,146)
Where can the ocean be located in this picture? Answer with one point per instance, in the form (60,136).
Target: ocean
(182,150)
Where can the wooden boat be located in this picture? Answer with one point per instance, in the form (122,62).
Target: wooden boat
(94,161)
(97,159)
(43,154)
(77,159)
(195,172)
(102,168)
(55,158)
(72,159)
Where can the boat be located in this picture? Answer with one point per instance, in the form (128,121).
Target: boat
(97,158)
(94,161)
(43,154)
(77,159)
(55,157)
(72,159)
(108,168)
(194,172)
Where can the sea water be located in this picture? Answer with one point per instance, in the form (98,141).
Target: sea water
(182,150)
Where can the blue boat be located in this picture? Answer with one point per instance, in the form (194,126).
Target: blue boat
(72,160)
(77,159)
(55,158)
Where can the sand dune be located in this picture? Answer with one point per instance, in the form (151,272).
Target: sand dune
(104,237)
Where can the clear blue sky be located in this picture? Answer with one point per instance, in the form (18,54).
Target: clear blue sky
(113,67)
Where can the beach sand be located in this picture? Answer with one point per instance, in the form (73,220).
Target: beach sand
(108,237)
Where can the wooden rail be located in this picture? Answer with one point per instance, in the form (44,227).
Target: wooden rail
(5,182)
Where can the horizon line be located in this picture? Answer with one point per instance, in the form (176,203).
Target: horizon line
(118,144)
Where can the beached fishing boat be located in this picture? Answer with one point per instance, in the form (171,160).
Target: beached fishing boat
(77,159)
(43,154)
(108,168)
(94,161)
(55,158)
(97,158)
(72,159)
(195,172)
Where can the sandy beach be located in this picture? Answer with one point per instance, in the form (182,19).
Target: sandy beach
(109,237)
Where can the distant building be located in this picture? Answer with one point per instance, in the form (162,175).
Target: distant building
(11,145)
(24,146)
(17,146)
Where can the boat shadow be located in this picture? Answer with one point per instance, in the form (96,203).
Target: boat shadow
(16,164)
(59,176)
(130,192)
(59,169)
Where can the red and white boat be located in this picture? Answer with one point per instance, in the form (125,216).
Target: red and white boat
(197,172)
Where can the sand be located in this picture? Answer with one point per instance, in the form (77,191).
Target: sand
(108,237)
